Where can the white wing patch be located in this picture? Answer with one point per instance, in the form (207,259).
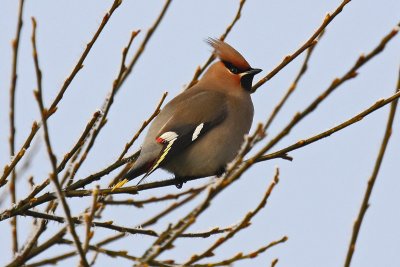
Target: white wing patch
(168,136)
(197,131)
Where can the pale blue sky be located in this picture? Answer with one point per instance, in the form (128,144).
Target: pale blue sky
(320,192)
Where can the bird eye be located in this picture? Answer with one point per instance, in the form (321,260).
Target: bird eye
(231,67)
(234,70)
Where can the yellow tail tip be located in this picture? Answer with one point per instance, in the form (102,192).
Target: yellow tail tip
(119,184)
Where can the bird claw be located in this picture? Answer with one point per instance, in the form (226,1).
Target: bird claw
(179,181)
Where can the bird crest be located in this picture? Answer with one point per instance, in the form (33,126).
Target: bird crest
(228,54)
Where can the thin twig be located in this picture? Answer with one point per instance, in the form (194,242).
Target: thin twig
(311,41)
(274,262)
(23,256)
(52,260)
(78,145)
(96,176)
(154,219)
(141,203)
(89,220)
(8,168)
(134,138)
(372,179)
(13,87)
(205,234)
(143,45)
(110,225)
(241,256)
(294,84)
(31,154)
(52,157)
(47,244)
(143,126)
(112,253)
(107,225)
(201,69)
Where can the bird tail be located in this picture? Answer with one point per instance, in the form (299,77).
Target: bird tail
(134,172)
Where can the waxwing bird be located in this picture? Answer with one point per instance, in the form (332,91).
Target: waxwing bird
(202,129)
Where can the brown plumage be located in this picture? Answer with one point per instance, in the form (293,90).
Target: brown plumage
(201,130)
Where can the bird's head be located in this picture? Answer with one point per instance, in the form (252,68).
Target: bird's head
(232,69)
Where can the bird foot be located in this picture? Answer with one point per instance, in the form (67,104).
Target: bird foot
(220,172)
(179,181)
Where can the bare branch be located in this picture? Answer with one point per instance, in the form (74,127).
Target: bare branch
(241,256)
(54,176)
(89,220)
(294,84)
(143,45)
(372,179)
(13,87)
(310,42)
(107,225)
(274,262)
(144,125)
(141,203)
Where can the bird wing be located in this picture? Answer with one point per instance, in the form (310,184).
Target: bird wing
(193,118)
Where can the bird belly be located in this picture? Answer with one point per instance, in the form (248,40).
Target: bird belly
(202,161)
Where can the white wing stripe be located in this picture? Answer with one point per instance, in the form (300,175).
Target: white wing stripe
(163,155)
(197,131)
(169,136)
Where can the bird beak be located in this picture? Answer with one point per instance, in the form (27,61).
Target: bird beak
(251,72)
(246,78)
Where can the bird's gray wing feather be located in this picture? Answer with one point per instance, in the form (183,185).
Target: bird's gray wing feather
(187,124)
